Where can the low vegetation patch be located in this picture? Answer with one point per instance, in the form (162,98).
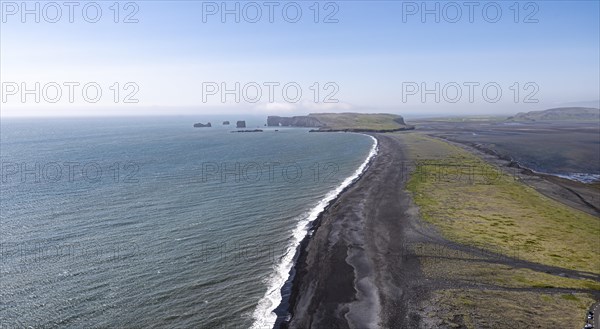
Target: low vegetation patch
(465,308)
(475,204)
(360,121)
(439,262)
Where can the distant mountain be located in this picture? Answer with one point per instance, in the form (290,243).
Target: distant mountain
(559,114)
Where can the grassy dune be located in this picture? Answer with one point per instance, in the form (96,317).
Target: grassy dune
(475,204)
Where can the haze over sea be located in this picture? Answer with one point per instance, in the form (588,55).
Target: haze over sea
(129,222)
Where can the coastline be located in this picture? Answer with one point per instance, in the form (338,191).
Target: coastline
(362,266)
(358,270)
(307,226)
(298,271)
(360,130)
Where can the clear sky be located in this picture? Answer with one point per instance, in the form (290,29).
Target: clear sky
(377,56)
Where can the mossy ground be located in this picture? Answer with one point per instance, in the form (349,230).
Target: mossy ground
(359,121)
(476,204)
(466,308)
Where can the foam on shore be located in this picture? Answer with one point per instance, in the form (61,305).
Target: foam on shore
(264,315)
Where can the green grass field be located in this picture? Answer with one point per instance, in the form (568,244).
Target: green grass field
(464,267)
(474,203)
(340,121)
(496,212)
(466,308)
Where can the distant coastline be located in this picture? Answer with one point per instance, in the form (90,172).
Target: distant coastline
(361,130)
(343,122)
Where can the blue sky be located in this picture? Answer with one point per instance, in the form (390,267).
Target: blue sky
(368,54)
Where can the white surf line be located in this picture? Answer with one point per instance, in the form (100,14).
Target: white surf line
(263,315)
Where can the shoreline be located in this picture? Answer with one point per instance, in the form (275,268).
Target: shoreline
(296,273)
(358,269)
(281,311)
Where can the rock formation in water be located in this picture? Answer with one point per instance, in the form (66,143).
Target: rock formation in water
(226,123)
(200,125)
(241,124)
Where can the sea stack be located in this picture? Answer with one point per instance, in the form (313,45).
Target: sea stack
(200,125)
(241,124)
(226,123)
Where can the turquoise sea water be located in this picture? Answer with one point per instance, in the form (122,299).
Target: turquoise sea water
(148,223)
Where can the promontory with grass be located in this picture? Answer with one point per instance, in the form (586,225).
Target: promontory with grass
(350,122)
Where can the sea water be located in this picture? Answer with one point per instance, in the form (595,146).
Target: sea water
(151,223)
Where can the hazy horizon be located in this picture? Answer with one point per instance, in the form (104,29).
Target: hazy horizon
(179,59)
(193,112)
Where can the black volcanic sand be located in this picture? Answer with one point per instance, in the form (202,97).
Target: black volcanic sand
(551,147)
(359,270)
(356,270)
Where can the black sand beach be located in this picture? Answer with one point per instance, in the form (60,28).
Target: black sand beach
(356,271)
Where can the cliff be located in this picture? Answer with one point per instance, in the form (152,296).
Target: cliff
(296,121)
(355,122)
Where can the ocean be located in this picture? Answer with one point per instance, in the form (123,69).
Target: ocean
(151,223)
